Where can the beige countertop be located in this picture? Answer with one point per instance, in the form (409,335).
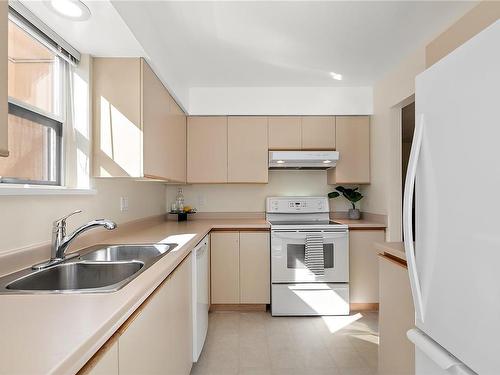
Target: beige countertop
(361,224)
(59,333)
(396,249)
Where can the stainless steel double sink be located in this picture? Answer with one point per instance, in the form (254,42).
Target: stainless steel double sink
(100,268)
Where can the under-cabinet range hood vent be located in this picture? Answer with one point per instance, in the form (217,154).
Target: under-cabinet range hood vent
(302,159)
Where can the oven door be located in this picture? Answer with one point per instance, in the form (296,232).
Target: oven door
(288,257)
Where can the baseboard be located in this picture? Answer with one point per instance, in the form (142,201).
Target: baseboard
(238,307)
(364,306)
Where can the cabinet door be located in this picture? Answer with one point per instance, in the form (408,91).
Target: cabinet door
(180,323)
(107,364)
(207,150)
(353,143)
(159,339)
(363,265)
(175,146)
(117,145)
(247,149)
(144,346)
(396,317)
(255,272)
(155,118)
(4,9)
(285,133)
(318,133)
(225,263)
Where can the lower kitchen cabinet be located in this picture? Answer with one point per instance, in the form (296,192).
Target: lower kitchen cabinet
(105,364)
(159,338)
(396,317)
(254,267)
(240,271)
(224,267)
(363,266)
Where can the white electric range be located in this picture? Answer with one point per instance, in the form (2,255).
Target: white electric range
(295,290)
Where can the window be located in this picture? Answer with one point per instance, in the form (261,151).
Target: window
(35,121)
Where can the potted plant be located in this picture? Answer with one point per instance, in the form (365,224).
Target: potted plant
(352,195)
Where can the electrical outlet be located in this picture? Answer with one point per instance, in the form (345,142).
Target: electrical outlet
(123,204)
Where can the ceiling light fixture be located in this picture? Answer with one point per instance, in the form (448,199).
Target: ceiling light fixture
(74,10)
(327,161)
(280,161)
(336,76)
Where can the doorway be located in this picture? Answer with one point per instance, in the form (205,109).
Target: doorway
(407,130)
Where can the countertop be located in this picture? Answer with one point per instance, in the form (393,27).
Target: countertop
(360,224)
(59,333)
(396,249)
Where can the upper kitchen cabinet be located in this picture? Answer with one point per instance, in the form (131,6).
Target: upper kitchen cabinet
(4,9)
(247,149)
(318,133)
(285,133)
(138,130)
(353,143)
(175,145)
(207,149)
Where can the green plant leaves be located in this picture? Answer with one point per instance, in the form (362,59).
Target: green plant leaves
(351,194)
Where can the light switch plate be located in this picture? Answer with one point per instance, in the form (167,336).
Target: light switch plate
(123,204)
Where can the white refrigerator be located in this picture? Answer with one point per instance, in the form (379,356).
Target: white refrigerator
(454,169)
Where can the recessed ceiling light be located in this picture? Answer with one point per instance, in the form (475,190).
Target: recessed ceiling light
(336,76)
(327,161)
(74,10)
(280,161)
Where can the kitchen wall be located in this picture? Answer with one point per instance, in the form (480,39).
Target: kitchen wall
(252,197)
(390,94)
(27,220)
(280,101)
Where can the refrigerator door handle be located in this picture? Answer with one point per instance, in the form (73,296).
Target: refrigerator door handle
(437,353)
(408,219)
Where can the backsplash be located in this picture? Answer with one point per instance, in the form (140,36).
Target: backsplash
(252,197)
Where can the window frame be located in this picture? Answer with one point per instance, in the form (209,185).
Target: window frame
(39,116)
(30,113)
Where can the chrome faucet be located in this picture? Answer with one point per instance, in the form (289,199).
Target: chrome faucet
(61,242)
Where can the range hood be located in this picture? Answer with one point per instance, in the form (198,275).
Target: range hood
(302,159)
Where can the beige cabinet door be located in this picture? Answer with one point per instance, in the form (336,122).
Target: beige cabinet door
(224,264)
(363,265)
(4,10)
(207,149)
(117,129)
(155,118)
(352,137)
(247,149)
(318,133)
(396,317)
(175,145)
(159,339)
(255,272)
(144,347)
(285,133)
(180,323)
(107,364)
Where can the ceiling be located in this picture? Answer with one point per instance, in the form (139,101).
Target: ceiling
(260,43)
(103,34)
(269,43)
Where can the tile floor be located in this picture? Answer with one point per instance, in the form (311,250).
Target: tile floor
(241,343)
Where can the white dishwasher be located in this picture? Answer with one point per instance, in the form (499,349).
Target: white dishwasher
(200,296)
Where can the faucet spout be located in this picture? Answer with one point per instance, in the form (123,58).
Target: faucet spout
(66,241)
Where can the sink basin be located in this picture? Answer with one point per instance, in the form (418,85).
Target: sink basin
(100,268)
(115,253)
(77,276)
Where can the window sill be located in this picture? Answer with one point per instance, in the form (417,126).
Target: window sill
(43,190)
